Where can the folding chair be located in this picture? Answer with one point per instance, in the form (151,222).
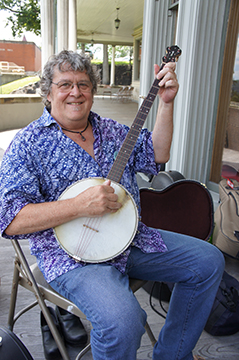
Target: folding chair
(128,93)
(32,279)
(120,96)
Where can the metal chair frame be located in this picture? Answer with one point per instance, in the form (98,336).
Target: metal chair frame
(31,278)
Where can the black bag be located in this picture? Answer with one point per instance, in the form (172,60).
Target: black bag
(224,316)
(11,347)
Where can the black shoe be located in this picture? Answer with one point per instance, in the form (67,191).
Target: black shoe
(72,328)
(51,350)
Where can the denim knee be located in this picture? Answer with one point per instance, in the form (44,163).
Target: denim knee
(121,332)
(215,259)
(125,323)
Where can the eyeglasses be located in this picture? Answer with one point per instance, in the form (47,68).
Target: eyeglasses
(66,86)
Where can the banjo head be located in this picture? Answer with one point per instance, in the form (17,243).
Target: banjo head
(100,239)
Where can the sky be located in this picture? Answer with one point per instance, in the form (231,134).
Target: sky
(6,32)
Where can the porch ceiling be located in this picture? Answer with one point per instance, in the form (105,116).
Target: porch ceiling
(95,20)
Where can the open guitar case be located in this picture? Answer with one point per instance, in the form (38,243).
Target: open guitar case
(171,202)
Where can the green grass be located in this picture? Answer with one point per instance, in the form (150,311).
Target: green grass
(14,85)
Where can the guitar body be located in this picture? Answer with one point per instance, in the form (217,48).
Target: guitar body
(98,239)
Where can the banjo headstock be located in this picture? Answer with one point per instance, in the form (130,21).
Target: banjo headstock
(172,54)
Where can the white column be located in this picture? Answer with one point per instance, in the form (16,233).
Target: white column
(112,70)
(47,33)
(105,77)
(135,69)
(153,48)
(200,33)
(62,25)
(72,40)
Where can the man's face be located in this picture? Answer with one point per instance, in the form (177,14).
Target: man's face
(70,106)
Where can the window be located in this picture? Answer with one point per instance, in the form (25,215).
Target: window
(173,14)
(231,143)
(225,147)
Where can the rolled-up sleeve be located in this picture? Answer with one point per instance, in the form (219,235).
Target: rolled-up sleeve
(144,160)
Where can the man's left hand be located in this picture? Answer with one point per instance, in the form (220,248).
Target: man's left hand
(168,83)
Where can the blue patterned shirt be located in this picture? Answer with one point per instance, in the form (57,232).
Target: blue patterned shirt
(41,162)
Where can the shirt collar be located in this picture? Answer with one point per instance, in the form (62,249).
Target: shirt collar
(46,119)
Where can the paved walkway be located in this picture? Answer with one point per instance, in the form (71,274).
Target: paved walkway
(122,112)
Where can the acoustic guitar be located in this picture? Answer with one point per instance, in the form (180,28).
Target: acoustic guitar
(103,238)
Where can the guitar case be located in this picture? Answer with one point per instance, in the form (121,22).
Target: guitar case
(182,206)
(11,346)
(160,181)
(185,206)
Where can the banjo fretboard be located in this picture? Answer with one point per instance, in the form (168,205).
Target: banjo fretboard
(116,172)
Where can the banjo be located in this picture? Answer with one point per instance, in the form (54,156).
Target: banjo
(103,238)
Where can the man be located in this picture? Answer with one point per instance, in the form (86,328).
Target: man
(69,143)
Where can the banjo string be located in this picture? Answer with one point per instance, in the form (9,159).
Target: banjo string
(85,244)
(82,243)
(87,236)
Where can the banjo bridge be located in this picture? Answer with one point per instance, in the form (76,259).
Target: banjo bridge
(90,228)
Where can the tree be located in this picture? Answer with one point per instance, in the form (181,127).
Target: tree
(121,51)
(24,15)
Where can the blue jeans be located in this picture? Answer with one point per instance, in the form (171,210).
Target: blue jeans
(103,294)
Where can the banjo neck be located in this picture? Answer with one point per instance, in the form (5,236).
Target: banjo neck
(116,172)
(99,239)
(126,149)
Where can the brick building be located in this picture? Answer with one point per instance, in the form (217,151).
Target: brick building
(22,53)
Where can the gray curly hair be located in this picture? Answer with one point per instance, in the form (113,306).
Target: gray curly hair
(66,61)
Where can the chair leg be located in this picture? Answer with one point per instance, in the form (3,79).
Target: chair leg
(21,262)
(53,329)
(13,297)
(147,328)
(150,334)
(12,317)
(83,352)
(39,298)
(136,284)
